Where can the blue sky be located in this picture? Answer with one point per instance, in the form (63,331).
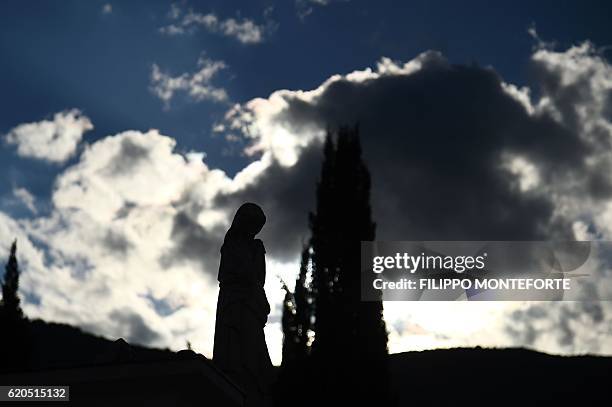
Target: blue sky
(70,54)
(219,80)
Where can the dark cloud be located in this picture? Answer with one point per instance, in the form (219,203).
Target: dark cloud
(129,156)
(521,332)
(193,243)
(125,210)
(286,195)
(566,333)
(434,142)
(566,322)
(132,327)
(116,243)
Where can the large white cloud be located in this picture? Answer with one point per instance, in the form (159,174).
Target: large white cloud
(50,140)
(131,246)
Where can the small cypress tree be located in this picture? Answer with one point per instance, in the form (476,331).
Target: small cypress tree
(11,308)
(303,305)
(290,333)
(297,314)
(14,335)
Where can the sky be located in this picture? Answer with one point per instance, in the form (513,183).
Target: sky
(131,131)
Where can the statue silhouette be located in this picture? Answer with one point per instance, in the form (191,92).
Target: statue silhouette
(242,308)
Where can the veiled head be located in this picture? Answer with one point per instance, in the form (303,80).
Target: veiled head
(248,220)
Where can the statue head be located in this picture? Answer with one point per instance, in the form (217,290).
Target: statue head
(248,220)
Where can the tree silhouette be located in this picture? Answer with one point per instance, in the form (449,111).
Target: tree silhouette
(11,309)
(289,325)
(297,314)
(14,337)
(303,305)
(349,355)
(350,334)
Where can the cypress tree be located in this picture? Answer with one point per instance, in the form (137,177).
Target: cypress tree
(323,258)
(347,362)
(11,308)
(14,336)
(350,343)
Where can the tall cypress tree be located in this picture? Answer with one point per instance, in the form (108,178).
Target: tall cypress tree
(11,308)
(350,335)
(324,259)
(348,361)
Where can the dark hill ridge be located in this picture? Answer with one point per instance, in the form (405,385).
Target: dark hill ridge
(54,345)
(101,372)
(495,376)
(437,377)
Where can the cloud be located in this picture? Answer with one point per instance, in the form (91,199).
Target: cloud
(26,198)
(18,201)
(54,140)
(454,152)
(98,255)
(579,327)
(196,85)
(132,220)
(134,232)
(420,163)
(244,30)
(576,87)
